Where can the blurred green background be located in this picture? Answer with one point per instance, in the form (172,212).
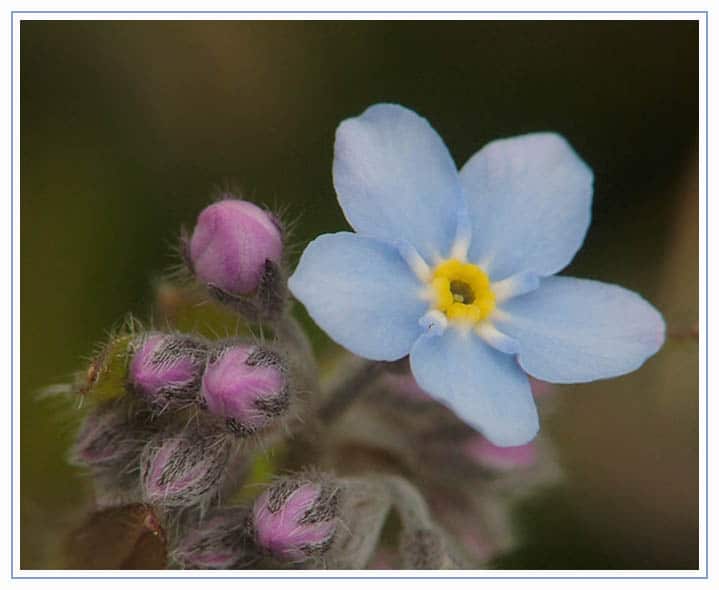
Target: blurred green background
(127,128)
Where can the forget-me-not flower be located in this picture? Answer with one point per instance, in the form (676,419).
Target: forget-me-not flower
(456,270)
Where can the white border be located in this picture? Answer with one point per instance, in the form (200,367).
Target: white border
(184,5)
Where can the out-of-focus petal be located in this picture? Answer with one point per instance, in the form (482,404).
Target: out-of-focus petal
(484,453)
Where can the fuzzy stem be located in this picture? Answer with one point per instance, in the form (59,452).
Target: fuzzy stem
(411,506)
(288,329)
(349,390)
(422,544)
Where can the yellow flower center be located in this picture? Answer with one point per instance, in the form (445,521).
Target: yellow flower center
(462,291)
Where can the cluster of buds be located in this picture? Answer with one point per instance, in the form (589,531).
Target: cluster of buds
(190,403)
(173,414)
(244,384)
(182,426)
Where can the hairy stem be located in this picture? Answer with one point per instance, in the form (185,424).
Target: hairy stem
(422,544)
(290,330)
(349,390)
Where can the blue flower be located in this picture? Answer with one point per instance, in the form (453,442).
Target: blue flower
(457,270)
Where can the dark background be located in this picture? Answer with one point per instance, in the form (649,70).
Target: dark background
(128,127)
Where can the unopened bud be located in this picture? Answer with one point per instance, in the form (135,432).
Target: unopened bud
(220,541)
(108,439)
(296,520)
(247,385)
(185,469)
(166,368)
(484,453)
(236,249)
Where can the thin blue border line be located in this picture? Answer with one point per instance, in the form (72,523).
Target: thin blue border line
(359,12)
(706,288)
(706,298)
(353,578)
(12,294)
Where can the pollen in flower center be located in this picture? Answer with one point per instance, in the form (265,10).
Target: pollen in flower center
(462,291)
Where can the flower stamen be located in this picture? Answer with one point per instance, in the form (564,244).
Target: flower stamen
(462,291)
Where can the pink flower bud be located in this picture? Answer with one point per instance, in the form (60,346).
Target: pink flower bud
(247,385)
(166,368)
(295,521)
(186,469)
(481,451)
(220,541)
(231,243)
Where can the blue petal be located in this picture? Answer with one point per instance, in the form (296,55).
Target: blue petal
(575,330)
(530,201)
(362,293)
(395,179)
(484,387)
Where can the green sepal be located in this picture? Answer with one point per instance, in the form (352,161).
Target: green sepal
(106,377)
(266,465)
(188,309)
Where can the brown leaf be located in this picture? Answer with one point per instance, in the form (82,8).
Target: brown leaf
(121,537)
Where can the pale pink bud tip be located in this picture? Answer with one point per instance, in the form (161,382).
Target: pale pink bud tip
(166,366)
(231,243)
(295,522)
(247,385)
(484,453)
(183,470)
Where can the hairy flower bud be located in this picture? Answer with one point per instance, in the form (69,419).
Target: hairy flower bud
(184,469)
(166,368)
(295,519)
(219,541)
(231,243)
(484,453)
(109,439)
(109,444)
(247,385)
